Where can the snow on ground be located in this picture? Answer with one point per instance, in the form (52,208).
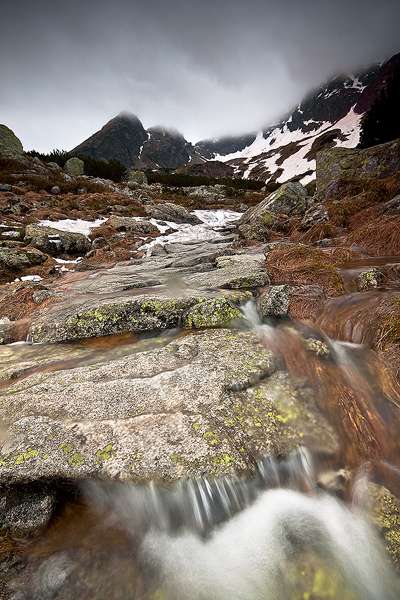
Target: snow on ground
(26,278)
(74,226)
(183,232)
(212,221)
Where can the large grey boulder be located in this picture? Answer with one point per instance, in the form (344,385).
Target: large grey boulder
(138,177)
(9,143)
(171,212)
(132,224)
(338,165)
(290,199)
(75,166)
(55,242)
(17,259)
(207,402)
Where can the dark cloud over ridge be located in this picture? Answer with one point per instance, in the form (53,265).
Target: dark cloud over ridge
(205,67)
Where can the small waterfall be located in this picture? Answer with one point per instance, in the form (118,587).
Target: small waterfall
(202,503)
(212,539)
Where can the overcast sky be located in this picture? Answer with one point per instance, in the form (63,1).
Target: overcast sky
(205,67)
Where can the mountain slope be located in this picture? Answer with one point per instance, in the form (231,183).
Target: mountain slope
(330,116)
(121,138)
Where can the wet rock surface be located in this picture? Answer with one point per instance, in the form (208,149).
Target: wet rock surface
(205,402)
(208,397)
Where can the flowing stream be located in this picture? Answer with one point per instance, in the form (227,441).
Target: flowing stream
(229,538)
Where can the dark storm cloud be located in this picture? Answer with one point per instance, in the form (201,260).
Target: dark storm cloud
(207,68)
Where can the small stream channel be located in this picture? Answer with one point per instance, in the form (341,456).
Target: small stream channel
(215,539)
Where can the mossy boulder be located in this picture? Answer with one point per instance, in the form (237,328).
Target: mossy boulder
(340,164)
(370,279)
(386,512)
(9,143)
(55,242)
(17,259)
(6,333)
(256,223)
(210,313)
(138,177)
(132,224)
(207,402)
(289,199)
(275,301)
(84,318)
(75,166)
(171,212)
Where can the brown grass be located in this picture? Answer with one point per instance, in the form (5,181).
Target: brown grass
(317,232)
(304,265)
(18,303)
(380,236)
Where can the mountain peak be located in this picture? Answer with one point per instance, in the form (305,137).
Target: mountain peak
(121,138)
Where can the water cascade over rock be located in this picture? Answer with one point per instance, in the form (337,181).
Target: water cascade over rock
(207,417)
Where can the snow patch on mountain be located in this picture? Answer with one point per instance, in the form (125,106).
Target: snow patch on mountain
(284,154)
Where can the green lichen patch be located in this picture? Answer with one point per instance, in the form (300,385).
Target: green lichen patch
(67,448)
(76,460)
(106,453)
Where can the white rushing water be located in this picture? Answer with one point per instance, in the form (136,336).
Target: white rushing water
(208,539)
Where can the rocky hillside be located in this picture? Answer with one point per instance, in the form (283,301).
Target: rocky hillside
(158,377)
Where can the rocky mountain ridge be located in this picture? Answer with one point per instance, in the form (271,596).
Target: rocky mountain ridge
(125,139)
(328,117)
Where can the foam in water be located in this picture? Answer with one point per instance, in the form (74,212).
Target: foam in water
(214,539)
(248,557)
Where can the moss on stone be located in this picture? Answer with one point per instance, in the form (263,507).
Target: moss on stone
(268,218)
(106,453)
(387,516)
(210,313)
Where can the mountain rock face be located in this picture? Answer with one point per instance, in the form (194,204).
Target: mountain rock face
(125,139)
(326,118)
(121,138)
(165,149)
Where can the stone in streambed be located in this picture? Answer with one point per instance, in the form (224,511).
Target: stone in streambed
(275,301)
(207,402)
(211,313)
(78,319)
(370,279)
